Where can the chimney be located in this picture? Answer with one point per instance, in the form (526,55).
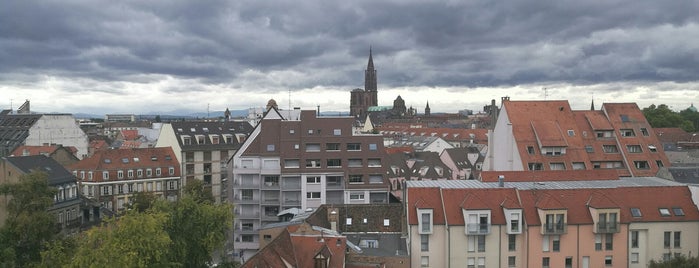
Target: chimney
(501,181)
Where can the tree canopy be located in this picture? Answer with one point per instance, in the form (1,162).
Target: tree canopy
(29,225)
(681,261)
(662,116)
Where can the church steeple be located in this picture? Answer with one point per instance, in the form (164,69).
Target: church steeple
(370,75)
(592,106)
(427,109)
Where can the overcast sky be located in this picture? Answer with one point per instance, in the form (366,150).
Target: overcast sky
(157,56)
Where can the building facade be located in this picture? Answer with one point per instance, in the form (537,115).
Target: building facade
(297,160)
(548,135)
(111,177)
(608,223)
(40,129)
(203,150)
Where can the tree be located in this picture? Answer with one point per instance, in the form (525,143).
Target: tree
(141,201)
(662,116)
(29,225)
(157,119)
(681,261)
(134,240)
(197,190)
(197,226)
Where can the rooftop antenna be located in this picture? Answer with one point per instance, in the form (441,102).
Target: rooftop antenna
(207,111)
(546,93)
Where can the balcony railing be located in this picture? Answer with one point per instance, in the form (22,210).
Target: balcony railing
(478,228)
(607,227)
(553,228)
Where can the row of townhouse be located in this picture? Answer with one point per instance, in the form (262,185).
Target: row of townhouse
(624,222)
(549,135)
(295,160)
(111,177)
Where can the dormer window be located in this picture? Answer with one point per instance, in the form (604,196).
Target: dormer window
(608,222)
(424,217)
(477,222)
(514,221)
(554,223)
(627,132)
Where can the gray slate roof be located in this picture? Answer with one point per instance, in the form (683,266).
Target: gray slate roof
(57,173)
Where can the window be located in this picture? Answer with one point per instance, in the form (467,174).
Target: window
(186,140)
(105,175)
(476,243)
(666,239)
(425,261)
(481,262)
(386,222)
(556,243)
(659,163)
(664,212)
(553,150)
(354,147)
(170,170)
(608,260)
(471,262)
(246,238)
(652,148)
(598,242)
(354,162)
(678,236)
(356,179)
(356,196)
(512,242)
(609,242)
(634,257)
(374,162)
(557,166)
(514,223)
(334,163)
(571,132)
(545,262)
(634,239)
(424,242)
(511,261)
(337,132)
(312,147)
(610,149)
(678,211)
(477,222)
(89,175)
(578,165)
(636,212)
(589,149)
(332,146)
(634,148)
(139,173)
(120,174)
(375,178)
(425,224)
(569,262)
(641,164)
(313,179)
(158,172)
(536,166)
(246,194)
(627,133)
(149,172)
(291,163)
(313,195)
(313,163)
(555,223)
(373,147)
(530,150)
(270,147)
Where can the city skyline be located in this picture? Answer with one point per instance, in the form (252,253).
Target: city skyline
(154,57)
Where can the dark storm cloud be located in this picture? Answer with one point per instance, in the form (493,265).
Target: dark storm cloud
(416,43)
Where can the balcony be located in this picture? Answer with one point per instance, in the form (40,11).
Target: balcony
(607,227)
(245,200)
(247,214)
(270,185)
(292,202)
(554,229)
(478,228)
(270,200)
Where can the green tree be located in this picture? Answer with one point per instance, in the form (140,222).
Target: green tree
(29,225)
(197,190)
(134,240)
(681,261)
(662,116)
(58,253)
(157,119)
(141,201)
(197,228)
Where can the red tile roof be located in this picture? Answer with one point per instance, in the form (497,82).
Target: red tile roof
(494,199)
(129,159)
(300,250)
(41,150)
(130,134)
(425,198)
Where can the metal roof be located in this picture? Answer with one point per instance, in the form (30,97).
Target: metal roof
(622,182)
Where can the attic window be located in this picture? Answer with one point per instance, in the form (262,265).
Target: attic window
(125,160)
(624,118)
(386,222)
(348,221)
(107,161)
(636,212)
(154,158)
(678,211)
(664,212)
(571,132)
(167,157)
(206,129)
(135,159)
(192,129)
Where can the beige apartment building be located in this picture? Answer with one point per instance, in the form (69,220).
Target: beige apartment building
(572,224)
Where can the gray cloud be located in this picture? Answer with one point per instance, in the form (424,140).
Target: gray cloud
(296,45)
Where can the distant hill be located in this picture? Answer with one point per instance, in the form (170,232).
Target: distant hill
(185,114)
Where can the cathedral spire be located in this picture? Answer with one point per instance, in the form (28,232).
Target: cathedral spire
(370,74)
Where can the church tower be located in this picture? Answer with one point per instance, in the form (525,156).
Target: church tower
(361,100)
(427,109)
